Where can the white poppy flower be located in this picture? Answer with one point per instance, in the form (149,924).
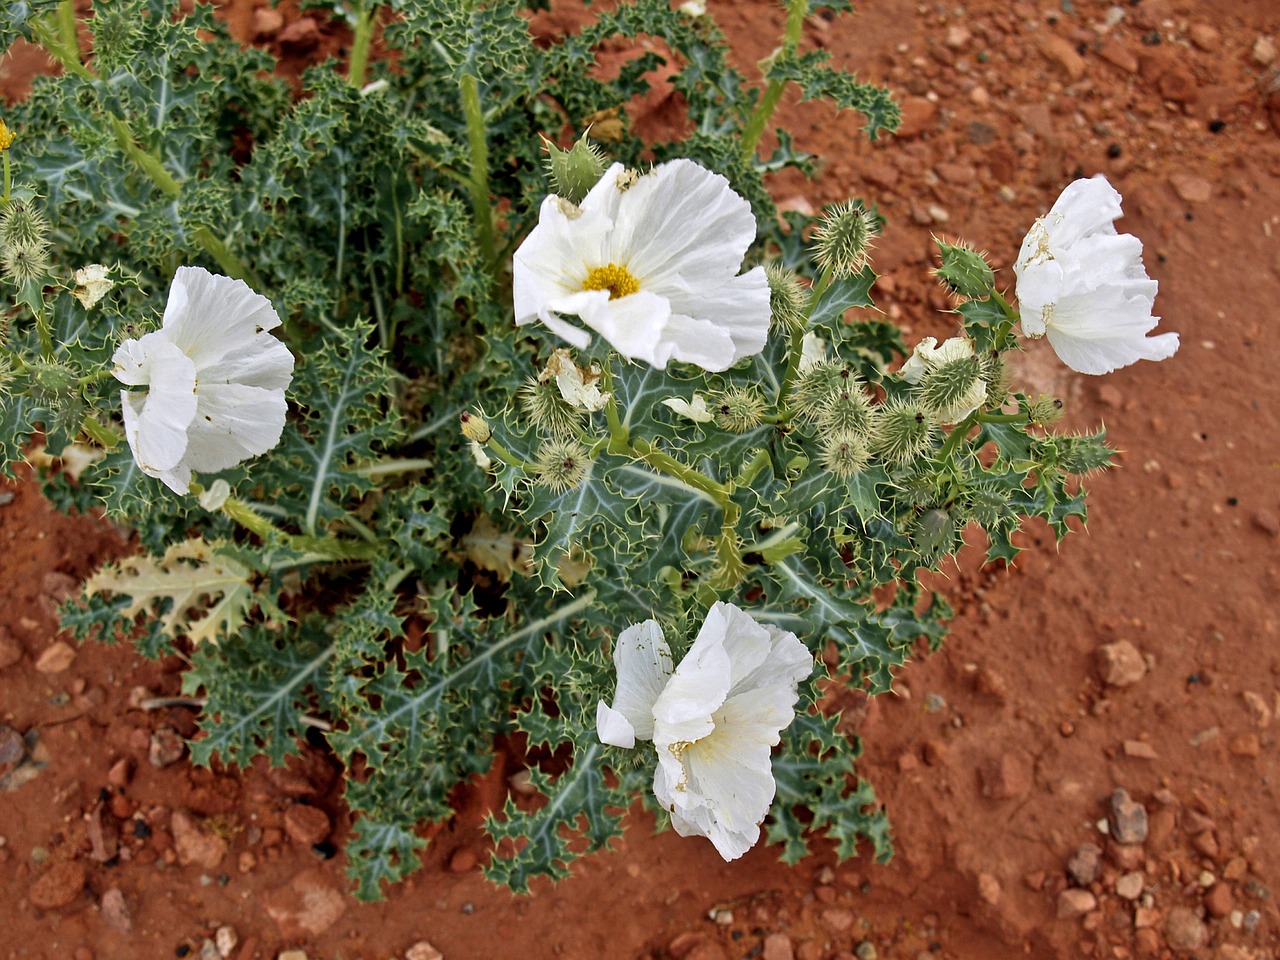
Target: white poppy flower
(214,379)
(1083,284)
(651,264)
(714,720)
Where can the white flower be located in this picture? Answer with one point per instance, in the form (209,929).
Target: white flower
(813,350)
(928,358)
(92,284)
(651,264)
(1083,284)
(713,720)
(214,379)
(577,386)
(696,411)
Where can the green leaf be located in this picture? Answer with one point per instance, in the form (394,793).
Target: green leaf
(844,293)
(820,82)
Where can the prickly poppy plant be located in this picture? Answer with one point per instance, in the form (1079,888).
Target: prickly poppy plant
(456,425)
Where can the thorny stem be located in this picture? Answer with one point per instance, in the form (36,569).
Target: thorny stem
(796,10)
(104,437)
(389,467)
(327,548)
(479,179)
(8,178)
(67,25)
(360,44)
(958,433)
(199,703)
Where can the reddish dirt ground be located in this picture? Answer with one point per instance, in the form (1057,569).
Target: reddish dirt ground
(998,758)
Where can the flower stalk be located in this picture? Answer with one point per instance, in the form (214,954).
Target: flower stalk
(363,37)
(759,119)
(478,182)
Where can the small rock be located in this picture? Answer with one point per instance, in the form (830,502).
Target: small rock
(1205,37)
(777,946)
(1006,778)
(1236,868)
(1034,880)
(104,838)
(1219,901)
(957,37)
(302,34)
(1121,664)
(115,911)
(989,889)
(1179,85)
(1128,818)
(166,747)
(225,939)
(919,115)
(1229,951)
(1264,52)
(1074,903)
(1140,750)
(1264,520)
(292,955)
(422,950)
(12,748)
(1144,918)
(1245,745)
(1191,188)
(56,658)
(1147,943)
(307,825)
(194,843)
(59,886)
(866,950)
(1059,51)
(838,919)
(1119,56)
(1085,864)
(1184,931)
(121,773)
(267,22)
(464,860)
(1129,886)
(305,907)
(209,950)
(1126,856)
(1205,843)
(10,649)
(1258,709)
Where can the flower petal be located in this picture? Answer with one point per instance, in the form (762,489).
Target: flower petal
(643,663)
(156,425)
(739,307)
(613,728)
(1105,329)
(208,316)
(232,423)
(554,260)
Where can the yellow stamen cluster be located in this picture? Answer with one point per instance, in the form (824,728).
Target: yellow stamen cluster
(617,280)
(7,136)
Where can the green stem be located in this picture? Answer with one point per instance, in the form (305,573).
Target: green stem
(1019,417)
(507,457)
(385,468)
(329,548)
(8,178)
(228,261)
(104,437)
(479,179)
(643,450)
(46,334)
(360,44)
(97,376)
(958,434)
(759,119)
(752,469)
(67,25)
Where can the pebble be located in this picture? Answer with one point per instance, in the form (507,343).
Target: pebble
(1119,56)
(422,950)
(195,843)
(1128,818)
(56,658)
(866,950)
(989,889)
(1258,709)
(305,907)
(777,946)
(1263,52)
(209,950)
(1074,903)
(1184,931)
(1085,864)
(115,911)
(121,773)
(1120,663)
(307,825)
(267,22)
(837,919)
(1219,901)
(1264,520)
(1147,943)
(302,34)
(1191,188)
(59,886)
(1140,750)
(1245,745)
(1129,886)
(225,939)
(1205,843)
(1205,37)
(12,748)
(166,747)
(463,860)
(292,955)
(1060,52)
(1006,778)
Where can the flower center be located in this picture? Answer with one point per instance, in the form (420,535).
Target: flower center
(617,280)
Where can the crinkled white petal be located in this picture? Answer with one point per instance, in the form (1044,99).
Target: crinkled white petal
(613,727)
(916,365)
(156,423)
(209,316)
(1102,330)
(813,350)
(643,663)
(233,422)
(696,411)
(578,388)
(554,260)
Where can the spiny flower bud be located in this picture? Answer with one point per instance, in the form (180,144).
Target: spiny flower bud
(817,384)
(996,374)
(1083,455)
(475,427)
(989,506)
(845,454)
(934,532)
(25,263)
(965,271)
(51,381)
(847,410)
(787,298)
(953,389)
(844,238)
(738,409)
(22,225)
(903,430)
(1045,409)
(547,410)
(561,464)
(576,170)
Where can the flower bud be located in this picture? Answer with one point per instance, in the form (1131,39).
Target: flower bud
(847,410)
(25,263)
(561,464)
(964,271)
(903,430)
(475,427)
(788,300)
(844,238)
(23,225)
(738,409)
(845,454)
(1045,409)
(953,389)
(51,381)
(816,386)
(576,170)
(547,410)
(1082,455)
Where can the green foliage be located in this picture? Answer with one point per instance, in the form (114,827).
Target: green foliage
(426,602)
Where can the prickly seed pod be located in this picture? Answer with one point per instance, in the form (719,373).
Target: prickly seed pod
(737,409)
(561,464)
(989,506)
(26,262)
(844,238)
(1083,455)
(995,373)
(475,427)
(51,382)
(547,410)
(817,385)
(847,410)
(903,430)
(787,298)
(1045,409)
(934,532)
(576,170)
(964,271)
(845,454)
(952,390)
(23,225)
(6,377)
